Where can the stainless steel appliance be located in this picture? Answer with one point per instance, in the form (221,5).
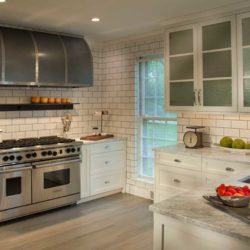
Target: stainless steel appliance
(38,174)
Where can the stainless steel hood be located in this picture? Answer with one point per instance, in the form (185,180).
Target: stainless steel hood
(32,58)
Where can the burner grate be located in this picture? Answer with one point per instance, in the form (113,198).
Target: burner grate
(30,142)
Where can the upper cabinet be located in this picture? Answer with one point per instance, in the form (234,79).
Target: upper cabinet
(19,56)
(243,25)
(30,58)
(181,68)
(200,67)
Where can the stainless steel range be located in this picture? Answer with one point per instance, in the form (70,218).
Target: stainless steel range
(38,174)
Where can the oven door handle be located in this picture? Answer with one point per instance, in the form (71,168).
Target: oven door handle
(51,164)
(14,169)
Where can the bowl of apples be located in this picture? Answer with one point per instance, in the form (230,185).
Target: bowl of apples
(234,196)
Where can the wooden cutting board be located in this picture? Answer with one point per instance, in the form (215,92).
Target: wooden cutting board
(96,137)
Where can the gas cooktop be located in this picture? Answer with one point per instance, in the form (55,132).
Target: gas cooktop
(30,142)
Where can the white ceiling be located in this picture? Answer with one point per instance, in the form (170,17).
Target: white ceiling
(119,18)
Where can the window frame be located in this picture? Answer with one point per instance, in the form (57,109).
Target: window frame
(140,110)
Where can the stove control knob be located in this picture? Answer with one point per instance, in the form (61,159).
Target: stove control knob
(34,155)
(12,157)
(78,149)
(6,158)
(19,158)
(49,152)
(28,155)
(44,153)
(54,153)
(73,150)
(68,150)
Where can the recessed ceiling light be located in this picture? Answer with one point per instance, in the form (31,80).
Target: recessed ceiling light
(95,19)
(2,1)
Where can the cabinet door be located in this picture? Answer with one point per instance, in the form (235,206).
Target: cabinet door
(243,29)
(51,58)
(217,75)
(79,61)
(181,68)
(20,60)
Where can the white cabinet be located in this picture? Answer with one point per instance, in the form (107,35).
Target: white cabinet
(201,68)
(176,173)
(243,35)
(103,168)
(172,234)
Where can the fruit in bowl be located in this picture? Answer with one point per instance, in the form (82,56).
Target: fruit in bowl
(234,196)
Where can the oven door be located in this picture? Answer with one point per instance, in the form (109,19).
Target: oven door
(15,186)
(55,178)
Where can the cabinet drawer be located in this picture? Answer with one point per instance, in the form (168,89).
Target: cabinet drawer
(179,178)
(107,147)
(104,183)
(104,162)
(210,178)
(175,160)
(223,167)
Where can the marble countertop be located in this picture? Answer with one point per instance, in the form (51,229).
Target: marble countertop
(192,208)
(101,141)
(217,153)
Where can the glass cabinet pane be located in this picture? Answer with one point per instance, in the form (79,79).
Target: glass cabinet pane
(216,36)
(246,90)
(217,64)
(181,68)
(0,58)
(20,63)
(182,94)
(245,31)
(217,93)
(51,58)
(181,42)
(246,61)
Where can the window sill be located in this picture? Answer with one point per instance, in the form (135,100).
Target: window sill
(147,180)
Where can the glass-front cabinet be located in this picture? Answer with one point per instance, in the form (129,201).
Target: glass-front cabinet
(181,70)
(243,29)
(200,73)
(217,69)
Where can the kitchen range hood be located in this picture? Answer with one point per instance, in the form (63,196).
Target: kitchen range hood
(32,58)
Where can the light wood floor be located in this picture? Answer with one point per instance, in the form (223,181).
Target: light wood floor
(118,222)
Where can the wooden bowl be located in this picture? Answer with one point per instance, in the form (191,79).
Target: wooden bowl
(52,100)
(35,99)
(64,100)
(58,100)
(44,100)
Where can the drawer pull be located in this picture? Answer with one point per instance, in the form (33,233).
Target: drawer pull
(107,182)
(106,147)
(177,181)
(229,169)
(106,162)
(177,160)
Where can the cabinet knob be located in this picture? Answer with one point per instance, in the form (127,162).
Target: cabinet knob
(177,160)
(106,162)
(229,169)
(177,181)
(107,182)
(106,146)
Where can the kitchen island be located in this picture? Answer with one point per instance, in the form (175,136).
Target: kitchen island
(189,222)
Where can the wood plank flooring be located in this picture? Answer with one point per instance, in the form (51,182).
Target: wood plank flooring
(117,222)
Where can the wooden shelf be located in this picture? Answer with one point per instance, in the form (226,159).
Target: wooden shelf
(30,107)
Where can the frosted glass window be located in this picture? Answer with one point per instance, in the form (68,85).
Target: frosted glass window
(245,31)
(181,68)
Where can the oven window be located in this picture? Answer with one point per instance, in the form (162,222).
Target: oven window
(56,178)
(13,186)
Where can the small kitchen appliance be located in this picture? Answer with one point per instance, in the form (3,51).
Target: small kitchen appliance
(37,174)
(193,139)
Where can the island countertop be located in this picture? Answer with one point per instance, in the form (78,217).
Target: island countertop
(192,208)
